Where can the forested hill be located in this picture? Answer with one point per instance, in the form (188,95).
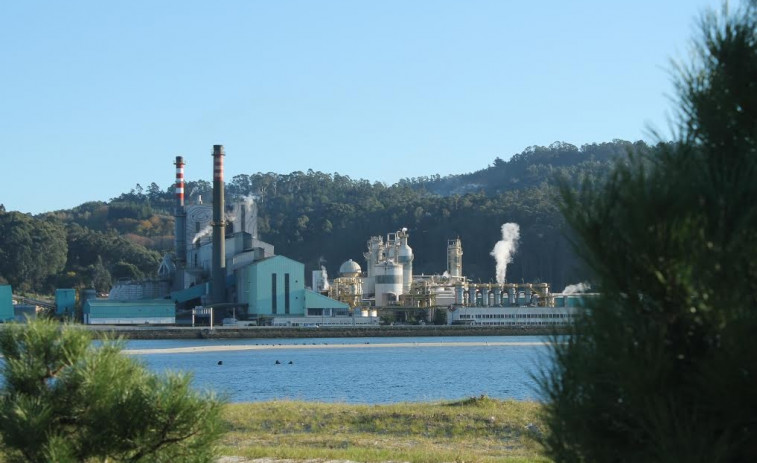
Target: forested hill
(529,168)
(325,219)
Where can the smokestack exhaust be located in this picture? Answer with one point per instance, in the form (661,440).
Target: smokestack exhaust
(180,228)
(218,281)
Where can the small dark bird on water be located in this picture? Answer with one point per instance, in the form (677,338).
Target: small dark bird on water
(278,363)
(291,362)
(220,362)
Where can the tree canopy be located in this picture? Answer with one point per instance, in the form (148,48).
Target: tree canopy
(64,400)
(663,365)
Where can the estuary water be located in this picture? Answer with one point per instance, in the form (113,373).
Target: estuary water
(355,370)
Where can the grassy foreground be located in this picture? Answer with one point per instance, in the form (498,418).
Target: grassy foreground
(471,430)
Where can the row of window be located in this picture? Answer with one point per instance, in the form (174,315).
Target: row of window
(331,312)
(518,316)
(524,323)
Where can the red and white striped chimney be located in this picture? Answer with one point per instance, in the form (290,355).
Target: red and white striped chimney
(179,181)
(180,226)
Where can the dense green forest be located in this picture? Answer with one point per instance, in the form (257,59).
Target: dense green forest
(325,219)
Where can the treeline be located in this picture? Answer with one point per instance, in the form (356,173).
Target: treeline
(325,219)
(42,253)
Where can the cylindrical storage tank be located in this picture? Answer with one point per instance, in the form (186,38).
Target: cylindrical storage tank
(455,258)
(405,258)
(529,293)
(485,296)
(512,296)
(498,296)
(372,257)
(459,297)
(388,281)
(472,295)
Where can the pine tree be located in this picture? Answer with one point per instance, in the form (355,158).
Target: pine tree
(663,365)
(64,400)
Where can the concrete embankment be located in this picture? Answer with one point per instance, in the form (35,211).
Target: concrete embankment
(265,332)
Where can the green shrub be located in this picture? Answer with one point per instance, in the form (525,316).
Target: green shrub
(64,400)
(663,365)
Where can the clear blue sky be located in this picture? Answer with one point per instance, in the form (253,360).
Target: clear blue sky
(97,96)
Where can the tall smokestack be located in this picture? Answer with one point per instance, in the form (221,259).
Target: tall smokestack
(180,229)
(218,283)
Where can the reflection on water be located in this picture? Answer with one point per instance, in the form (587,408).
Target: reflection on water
(359,371)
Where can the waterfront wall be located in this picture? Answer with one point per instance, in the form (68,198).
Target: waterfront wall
(264,332)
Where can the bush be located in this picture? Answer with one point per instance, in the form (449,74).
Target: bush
(65,400)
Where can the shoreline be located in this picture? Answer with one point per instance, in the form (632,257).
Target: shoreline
(266,332)
(231,348)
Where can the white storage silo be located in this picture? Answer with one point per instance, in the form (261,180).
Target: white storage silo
(405,258)
(455,258)
(375,254)
(388,282)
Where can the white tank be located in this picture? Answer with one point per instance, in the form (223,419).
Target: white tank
(350,269)
(374,255)
(405,258)
(459,295)
(455,258)
(388,282)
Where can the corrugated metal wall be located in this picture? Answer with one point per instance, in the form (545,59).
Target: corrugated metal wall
(6,303)
(103,311)
(65,301)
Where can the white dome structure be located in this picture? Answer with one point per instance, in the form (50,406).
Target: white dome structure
(350,269)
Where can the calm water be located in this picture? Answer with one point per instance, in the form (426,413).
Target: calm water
(360,370)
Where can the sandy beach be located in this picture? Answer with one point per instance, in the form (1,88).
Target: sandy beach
(227,348)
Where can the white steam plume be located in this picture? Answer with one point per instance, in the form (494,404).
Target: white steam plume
(203,233)
(577,288)
(505,248)
(324,279)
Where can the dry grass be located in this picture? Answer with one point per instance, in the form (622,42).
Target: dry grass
(472,430)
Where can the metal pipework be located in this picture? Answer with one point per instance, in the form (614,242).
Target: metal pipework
(218,283)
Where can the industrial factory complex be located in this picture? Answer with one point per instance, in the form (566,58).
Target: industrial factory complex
(222,273)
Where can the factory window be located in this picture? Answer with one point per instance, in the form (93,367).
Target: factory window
(274,297)
(286,293)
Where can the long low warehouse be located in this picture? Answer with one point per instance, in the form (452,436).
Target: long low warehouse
(139,312)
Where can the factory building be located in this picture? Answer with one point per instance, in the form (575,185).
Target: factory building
(389,285)
(275,287)
(219,263)
(138,312)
